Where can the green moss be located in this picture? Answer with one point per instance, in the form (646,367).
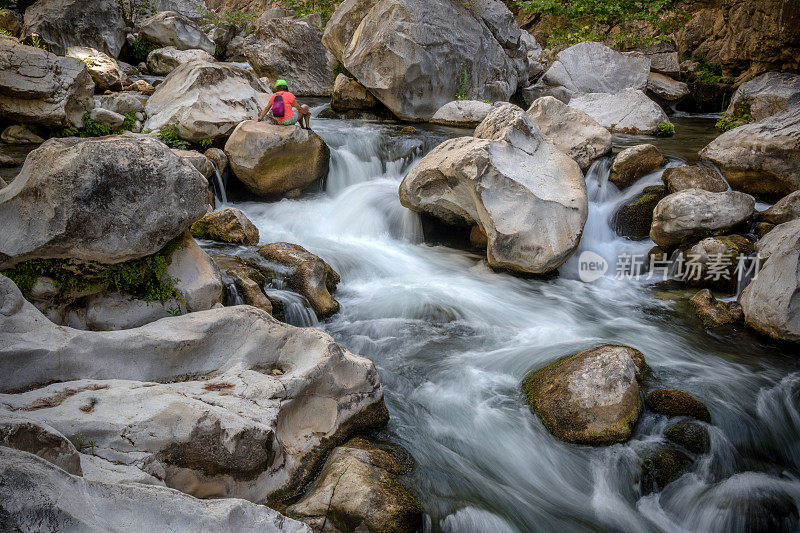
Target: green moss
(665,129)
(741,114)
(339,68)
(144,278)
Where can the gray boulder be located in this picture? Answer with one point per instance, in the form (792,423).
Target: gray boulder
(41,88)
(62,24)
(103,69)
(38,496)
(349,94)
(570,130)
(693,177)
(417,56)
(107,118)
(695,213)
(767,94)
(22,433)
(121,103)
(528,197)
(762,158)
(784,210)
(291,49)
(170,28)
(271,159)
(773,240)
(592,397)
(628,111)
(632,163)
(462,113)
(666,63)
(206,100)
(666,90)
(18,134)
(162,61)
(108,200)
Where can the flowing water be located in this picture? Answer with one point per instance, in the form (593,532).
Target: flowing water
(452,340)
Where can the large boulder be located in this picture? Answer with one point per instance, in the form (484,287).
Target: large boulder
(107,200)
(38,496)
(41,88)
(633,218)
(462,113)
(527,196)
(103,69)
(628,111)
(591,397)
(693,177)
(770,301)
(590,67)
(418,56)
(65,23)
(632,163)
(570,130)
(170,28)
(766,95)
(162,61)
(291,49)
(784,210)
(226,225)
(206,100)
(691,214)
(121,103)
(349,94)
(666,90)
(271,159)
(762,158)
(260,402)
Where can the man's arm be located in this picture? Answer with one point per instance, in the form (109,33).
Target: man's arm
(264,113)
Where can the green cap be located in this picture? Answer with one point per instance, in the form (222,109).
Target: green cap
(281,82)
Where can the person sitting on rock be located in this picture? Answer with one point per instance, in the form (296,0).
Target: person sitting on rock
(283,105)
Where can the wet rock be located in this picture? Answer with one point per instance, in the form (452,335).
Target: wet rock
(753,502)
(762,228)
(103,69)
(462,113)
(226,225)
(628,111)
(762,158)
(349,94)
(65,23)
(217,155)
(249,282)
(21,433)
(784,210)
(270,159)
(677,403)
(41,88)
(6,161)
(358,490)
(206,100)
(528,197)
(691,435)
(713,262)
(767,94)
(444,45)
(633,163)
(108,200)
(570,130)
(634,218)
(693,177)
(291,49)
(662,468)
(591,397)
(693,213)
(170,28)
(666,90)
(162,61)
(714,313)
(309,275)
(705,97)
(17,134)
(36,493)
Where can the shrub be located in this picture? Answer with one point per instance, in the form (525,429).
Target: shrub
(242,19)
(129,122)
(665,129)
(711,73)
(741,114)
(169,136)
(463,84)
(303,8)
(92,128)
(141,48)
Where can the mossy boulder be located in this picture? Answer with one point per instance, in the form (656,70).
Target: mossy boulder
(634,218)
(633,163)
(714,313)
(663,467)
(691,435)
(674,402)
(713,261)
(591,397)
(226,225)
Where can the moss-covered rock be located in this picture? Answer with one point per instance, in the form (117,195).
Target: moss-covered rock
(226,225)
(691,435)
(713,261)
(677,403)
(633,163)
(663,467)
(714,313)
(633,219)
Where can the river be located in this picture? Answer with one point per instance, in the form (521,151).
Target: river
(452,340)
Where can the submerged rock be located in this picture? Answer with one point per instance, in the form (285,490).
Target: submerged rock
(691,435)
(170,28)
(628,111)
(693,177)
(226,225)
(677,403)
(591,397)
(632,163)
(662,468)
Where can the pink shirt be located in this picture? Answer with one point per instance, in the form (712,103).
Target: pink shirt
(288,100)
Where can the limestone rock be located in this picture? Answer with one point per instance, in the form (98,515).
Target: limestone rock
(170,28)
(107,118)
(249,281)
(673,402)
(725,253)
(693,177)
(6,161)
(108,199)
(198,278)
(633,163)
(114,311)
(22,433)
(462,113)
(103,69)
(41,88)
(16,134)
(591,397)
(666,63)
(218,157)
(634,218)
(714,313)
(766,95)
(628,111)
(762,158)
(570,130)
(11,22)
(693,213)
(226,225)
(528,197)
(271,159)
(197,160)
(784,210)
(141,86)
(349,94)
(666,90)
(775,238)
(162,61)
(206,100)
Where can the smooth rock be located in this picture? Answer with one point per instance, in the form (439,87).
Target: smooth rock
(114,311)
(591,397)
(632,163)
(162,61)
(170,28)
(667,63)
(206,100)
(218,157)
(226,225)
(197,160)
(462,113)
(271,159)
(106,118)
(248,281)
(693,213)
(666,90)
(784,210)
(349,94)
(6,161)
(662,468)
(714,262)
(22,433)
(41,88)
(767,94)
(109,199)
(714,313)
(17,134)
(103,69)
(693,177)
(673,402)
(628,111)
(570,130)
(198,277)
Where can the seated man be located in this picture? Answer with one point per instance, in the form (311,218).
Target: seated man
(284,110)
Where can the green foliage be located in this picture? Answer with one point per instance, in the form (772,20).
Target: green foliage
(741,114)
(37,42)
(339,68)
(143,278)
(464,82)
(5,32)
(219,52)
(711,73)
(239,18)
(142,47)
(206,143)
(665,129)
(303,8)
(129,122)
(591,20)
(169,136)
(136,9)
(92,128)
